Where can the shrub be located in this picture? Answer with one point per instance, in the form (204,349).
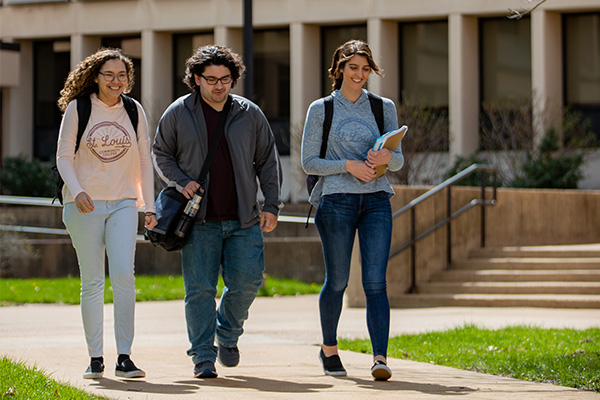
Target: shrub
(21,177)
(548,168)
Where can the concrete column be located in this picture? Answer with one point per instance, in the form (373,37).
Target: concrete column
(383,41)
(157,76)
(304,89)
(82,46)
(546,71)
(463,50)
(234,39)
(17,110)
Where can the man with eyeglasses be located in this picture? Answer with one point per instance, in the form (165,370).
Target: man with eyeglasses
(229,226)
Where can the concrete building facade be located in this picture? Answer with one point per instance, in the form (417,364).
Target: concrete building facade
(452,54)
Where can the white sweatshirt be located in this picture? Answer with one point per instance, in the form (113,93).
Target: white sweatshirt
(111,162)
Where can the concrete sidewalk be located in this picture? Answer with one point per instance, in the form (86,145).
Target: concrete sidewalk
(278,353)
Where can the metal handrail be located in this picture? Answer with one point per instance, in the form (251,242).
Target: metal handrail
(447,184)
(47,202)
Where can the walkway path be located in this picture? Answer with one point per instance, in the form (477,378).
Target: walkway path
(278,353)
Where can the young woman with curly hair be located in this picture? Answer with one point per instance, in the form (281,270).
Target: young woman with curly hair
(107,179)
(350,198)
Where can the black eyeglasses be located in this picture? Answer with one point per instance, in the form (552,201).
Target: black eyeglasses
(212,80)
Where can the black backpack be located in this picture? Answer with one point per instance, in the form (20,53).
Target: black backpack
(376,108)
(84,110)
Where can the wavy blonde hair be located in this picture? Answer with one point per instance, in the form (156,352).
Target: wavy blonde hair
(81,81)
(344,53)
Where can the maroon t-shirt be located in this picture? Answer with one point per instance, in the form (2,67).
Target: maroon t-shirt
(222,202)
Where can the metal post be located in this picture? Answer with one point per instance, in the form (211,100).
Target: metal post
(248,51)
(482,209)
(449,227)
(413,263)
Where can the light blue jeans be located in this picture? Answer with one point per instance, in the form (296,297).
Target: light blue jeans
(338,218)
(240,253)
(110,228)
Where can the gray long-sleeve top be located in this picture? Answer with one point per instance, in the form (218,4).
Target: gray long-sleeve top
(353,132)
(181,145)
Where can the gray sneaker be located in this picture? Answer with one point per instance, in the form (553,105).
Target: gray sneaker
(205,369)
(229,356)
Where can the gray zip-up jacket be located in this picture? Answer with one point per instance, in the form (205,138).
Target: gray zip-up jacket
(181,145)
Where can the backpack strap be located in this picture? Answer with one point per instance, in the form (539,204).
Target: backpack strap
(326,124)
(377,108)
(132,110)
(84,110)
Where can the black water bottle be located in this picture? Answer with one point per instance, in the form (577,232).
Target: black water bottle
(189,214)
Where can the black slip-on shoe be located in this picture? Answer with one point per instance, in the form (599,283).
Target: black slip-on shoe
(332,365)
(127,369)
(94,371)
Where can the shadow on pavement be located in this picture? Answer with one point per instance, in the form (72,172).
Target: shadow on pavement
(395,385)
(129,385)
(260,384)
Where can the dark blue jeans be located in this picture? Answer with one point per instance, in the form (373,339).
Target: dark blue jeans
(338,218)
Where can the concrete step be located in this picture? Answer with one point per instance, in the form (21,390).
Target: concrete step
(546,263)
(495,300)
(510,288)
(517,275)
(561,251)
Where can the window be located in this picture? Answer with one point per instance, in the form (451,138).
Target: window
(505,59)
(505,84)
(331,38)
(424,62)
(183,47)
(424,85)
(51,60)
(272,82)
(582,66)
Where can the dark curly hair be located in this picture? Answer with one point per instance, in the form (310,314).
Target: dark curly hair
(212,55)
(344,53)
(81,80)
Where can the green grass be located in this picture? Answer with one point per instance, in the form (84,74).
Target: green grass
(148,288)
(18,381)
(566,357)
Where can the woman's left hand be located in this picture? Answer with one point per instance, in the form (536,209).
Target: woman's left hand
(379,157)
(150,221)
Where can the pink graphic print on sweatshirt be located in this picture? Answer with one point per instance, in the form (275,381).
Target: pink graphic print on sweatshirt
(108,141)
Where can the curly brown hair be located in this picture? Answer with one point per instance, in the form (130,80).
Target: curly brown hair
(213,55)
(81,81)
(344,53)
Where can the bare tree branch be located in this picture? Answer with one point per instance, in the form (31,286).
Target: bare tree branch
(521,12)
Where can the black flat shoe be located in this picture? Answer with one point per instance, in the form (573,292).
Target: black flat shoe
(332,365)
